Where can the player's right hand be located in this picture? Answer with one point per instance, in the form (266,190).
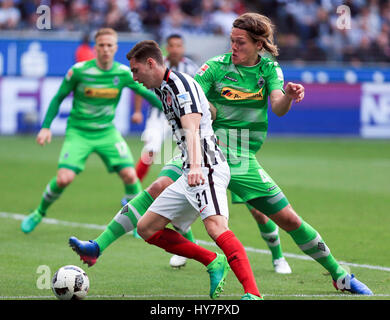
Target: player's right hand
(137,117)
(44,135)
(195,177)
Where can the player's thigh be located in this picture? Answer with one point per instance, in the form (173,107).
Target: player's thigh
(252,184)
(173,204)
(114,151)
(210,198)
(75,151)
(257,215)
(173,168)
(150,223)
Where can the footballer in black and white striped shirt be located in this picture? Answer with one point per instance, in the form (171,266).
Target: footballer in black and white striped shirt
(201,189)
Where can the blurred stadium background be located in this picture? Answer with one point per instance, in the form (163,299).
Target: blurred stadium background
(345,67)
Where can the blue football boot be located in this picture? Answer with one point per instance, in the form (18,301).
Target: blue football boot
(351,284)
(88,251)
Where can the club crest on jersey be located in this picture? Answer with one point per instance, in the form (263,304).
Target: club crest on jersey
(116,80)
(169,99)
(233,94)
(261,82)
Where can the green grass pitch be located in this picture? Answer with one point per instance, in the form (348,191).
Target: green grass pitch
(339,186)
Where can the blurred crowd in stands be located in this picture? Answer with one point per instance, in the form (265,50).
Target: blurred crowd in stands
(307,30)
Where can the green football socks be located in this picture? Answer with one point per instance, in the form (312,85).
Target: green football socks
(311,243)
(188,235)
(270,233)
(51,194)
(125,220)
(131,190)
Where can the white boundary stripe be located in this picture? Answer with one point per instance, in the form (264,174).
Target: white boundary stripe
(172,296)
(18,216)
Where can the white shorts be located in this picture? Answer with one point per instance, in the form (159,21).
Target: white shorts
(182,204)
(157,130)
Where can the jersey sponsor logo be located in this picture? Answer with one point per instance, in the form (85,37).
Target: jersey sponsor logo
(233,94)
(230,78)
(202,69)
(106,93)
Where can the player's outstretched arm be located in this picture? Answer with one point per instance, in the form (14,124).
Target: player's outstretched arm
(67,85)
(44,135)
(281,102)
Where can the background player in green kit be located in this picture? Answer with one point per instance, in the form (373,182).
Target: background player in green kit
(239,84)
(97,85)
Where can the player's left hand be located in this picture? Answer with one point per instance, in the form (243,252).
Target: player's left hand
(295,91)
(195,177)
(137,117)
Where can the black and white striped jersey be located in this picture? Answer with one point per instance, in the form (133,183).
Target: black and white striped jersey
(185,65)
(180,95)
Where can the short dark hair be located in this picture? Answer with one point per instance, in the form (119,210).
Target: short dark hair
(174,36)
(144,50)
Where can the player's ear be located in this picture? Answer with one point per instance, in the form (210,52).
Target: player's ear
(259,45)
(150,62)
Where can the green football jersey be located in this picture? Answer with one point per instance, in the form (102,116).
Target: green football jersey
(240,95)
(96,93)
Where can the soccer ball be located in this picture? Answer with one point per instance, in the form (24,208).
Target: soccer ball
(70,283)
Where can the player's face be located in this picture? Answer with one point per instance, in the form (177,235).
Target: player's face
(106,47)
(143,72)
(244,50)
(175,49)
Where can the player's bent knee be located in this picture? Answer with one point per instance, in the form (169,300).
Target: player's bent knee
(287,219)
(215,226)
(258,216)
(65,177)
(159,186)
(143,229)
(128,175)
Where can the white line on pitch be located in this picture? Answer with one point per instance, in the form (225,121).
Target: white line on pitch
(18,216)
(172,296)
